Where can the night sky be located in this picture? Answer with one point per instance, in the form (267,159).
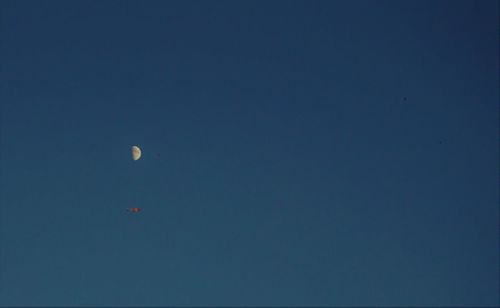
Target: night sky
(294,153)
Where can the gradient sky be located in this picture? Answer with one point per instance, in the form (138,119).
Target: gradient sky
(294,153)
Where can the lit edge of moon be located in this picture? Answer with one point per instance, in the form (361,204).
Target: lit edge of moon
(136,152)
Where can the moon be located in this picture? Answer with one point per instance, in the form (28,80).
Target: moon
(136,152)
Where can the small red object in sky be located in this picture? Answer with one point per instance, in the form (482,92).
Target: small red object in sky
(134,209)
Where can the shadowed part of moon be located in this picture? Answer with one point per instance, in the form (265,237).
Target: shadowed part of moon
(136,153)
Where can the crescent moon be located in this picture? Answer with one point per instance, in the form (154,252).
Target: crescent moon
(136,153)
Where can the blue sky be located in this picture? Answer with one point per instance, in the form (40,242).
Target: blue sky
(294,153)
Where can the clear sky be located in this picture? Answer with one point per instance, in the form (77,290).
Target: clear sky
(294,153)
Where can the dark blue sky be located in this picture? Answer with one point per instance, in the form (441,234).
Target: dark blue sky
(294,153)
